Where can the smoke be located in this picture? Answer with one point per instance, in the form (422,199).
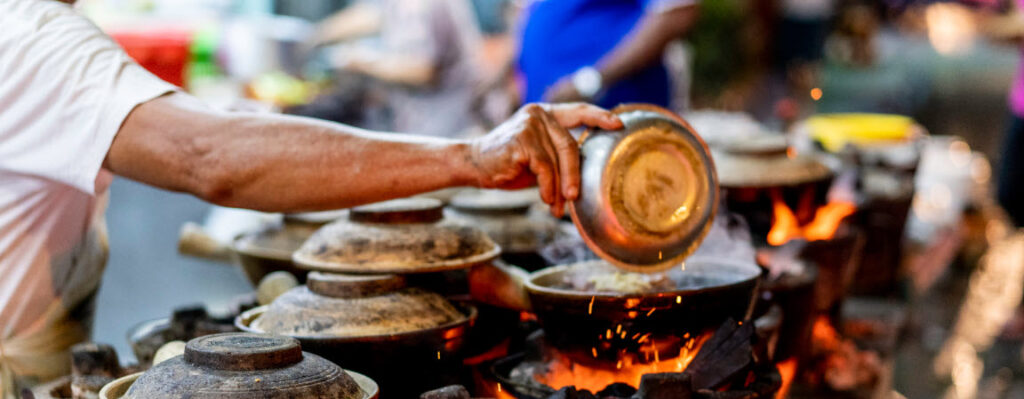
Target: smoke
(729,238)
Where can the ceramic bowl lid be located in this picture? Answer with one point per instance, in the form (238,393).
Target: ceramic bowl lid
(337,305)
(245,365)
(508,217)
(274,242)
(402,236)
(648,192)
(766,161)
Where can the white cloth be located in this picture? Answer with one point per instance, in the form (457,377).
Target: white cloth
(65,89)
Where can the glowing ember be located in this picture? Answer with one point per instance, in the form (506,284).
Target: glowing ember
(500,393)
(826,221)
(841,365)
(629,369)
(787,369)
(826,338)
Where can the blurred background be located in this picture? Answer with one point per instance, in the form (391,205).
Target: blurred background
(458,67)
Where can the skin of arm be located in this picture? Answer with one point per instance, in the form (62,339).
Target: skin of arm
(643,46)
(283,163)
(403,69)
(357,20)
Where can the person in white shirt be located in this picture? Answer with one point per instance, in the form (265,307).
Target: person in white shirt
(75,109)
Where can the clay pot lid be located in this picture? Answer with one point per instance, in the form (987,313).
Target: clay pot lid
(236,365)
(648,192)
(402,236)
(318,218)
(508,217)
(274,242)
(494,201)
(766,161)
(336,305)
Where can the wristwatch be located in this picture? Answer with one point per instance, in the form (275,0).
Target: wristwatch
(587,81)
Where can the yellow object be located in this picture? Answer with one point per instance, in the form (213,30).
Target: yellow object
(834,131)
(281,89)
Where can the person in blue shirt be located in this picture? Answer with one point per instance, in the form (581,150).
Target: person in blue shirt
(606,52)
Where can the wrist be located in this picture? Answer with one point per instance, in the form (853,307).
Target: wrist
(465,165)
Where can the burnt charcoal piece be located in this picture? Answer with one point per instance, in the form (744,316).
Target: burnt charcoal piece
(185,318)
(448,392)
(94,359)
(722,357)
(617,390)
(572,393)
(664,386)
(92,366)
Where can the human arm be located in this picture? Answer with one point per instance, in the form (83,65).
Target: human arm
(392,67)
(358,20)
(642,47)
(284,163)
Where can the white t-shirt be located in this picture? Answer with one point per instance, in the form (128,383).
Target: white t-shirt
(65,89)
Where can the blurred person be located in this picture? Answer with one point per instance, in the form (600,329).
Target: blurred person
(1010,187)
(425,52)
(600,51)
(77,110)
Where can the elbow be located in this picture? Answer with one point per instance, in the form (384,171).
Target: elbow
(211,176)
(216,186)
(218,191)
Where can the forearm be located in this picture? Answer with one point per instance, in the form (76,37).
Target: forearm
(279,163)
(355,21)
(397,69)
(646,43)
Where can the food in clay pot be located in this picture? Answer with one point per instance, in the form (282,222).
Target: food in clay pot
(243,365)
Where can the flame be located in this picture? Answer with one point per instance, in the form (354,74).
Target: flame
(827,219)
(824,335)
(499,393)
(787,369)
(629,369)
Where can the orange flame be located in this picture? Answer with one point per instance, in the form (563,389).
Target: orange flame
(824,335)
(499,393)
(787,369)
(827,218)
(564,372)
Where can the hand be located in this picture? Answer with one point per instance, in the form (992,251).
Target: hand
(534,146)
(563,91)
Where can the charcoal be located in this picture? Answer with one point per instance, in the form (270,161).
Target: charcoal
(448,392)
(94,359)
(664,386)
(184,320)
(617,390)
(722,357)
(570,392)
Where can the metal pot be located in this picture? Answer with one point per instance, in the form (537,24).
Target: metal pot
(755,173)
(648,192)
(240,365)
(596,326)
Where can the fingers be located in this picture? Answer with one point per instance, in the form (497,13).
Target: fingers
(546,134)
(567,154)
(571,115)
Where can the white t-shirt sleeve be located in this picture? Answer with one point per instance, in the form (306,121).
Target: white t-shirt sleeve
(66,89)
